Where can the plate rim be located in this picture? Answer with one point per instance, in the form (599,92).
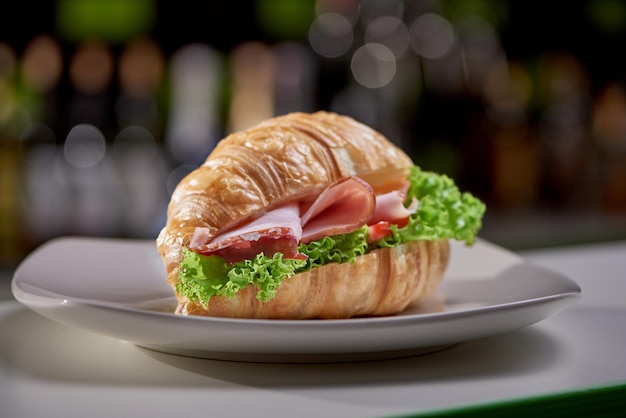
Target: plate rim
(464,312)
(25,297)
(143,324)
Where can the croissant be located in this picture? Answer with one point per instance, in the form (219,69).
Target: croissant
(293,158)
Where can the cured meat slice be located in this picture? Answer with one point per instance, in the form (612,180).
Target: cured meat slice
(278,230)
(343,207)
(390,207)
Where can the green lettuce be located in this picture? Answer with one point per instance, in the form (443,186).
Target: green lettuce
(202,277)
(342,248)
(443,213)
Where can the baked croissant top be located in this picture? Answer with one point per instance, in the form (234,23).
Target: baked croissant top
(290,157)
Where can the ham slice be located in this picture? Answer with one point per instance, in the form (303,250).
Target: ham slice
(342,207)
(390,208)
(285,219)
(278,230)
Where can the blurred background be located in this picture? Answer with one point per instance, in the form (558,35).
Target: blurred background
(106,104)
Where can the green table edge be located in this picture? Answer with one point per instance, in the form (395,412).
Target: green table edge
(600,401)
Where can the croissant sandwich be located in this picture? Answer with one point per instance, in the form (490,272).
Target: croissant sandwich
(310,216)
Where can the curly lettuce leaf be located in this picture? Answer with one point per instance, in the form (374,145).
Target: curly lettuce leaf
(443,212)
(202,277)
(342,248)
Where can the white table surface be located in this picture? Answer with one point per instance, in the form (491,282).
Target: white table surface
(52,370)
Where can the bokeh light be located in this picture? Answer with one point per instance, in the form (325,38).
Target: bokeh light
(85,146)
(253,73)
(195,71)
(37,143)
(7,61)
(134,143)
(42,63)
(141,67)
(91,67)
(371,10)
(331,35)
(389,31)
(432,36)
(373,65)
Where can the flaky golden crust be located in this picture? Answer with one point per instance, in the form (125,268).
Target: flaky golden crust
(382,282)
(293,157)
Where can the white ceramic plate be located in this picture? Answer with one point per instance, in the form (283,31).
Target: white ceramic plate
(117,288)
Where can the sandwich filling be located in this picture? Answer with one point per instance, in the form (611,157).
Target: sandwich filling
(346,220)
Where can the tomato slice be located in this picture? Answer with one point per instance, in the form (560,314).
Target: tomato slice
(378,230)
